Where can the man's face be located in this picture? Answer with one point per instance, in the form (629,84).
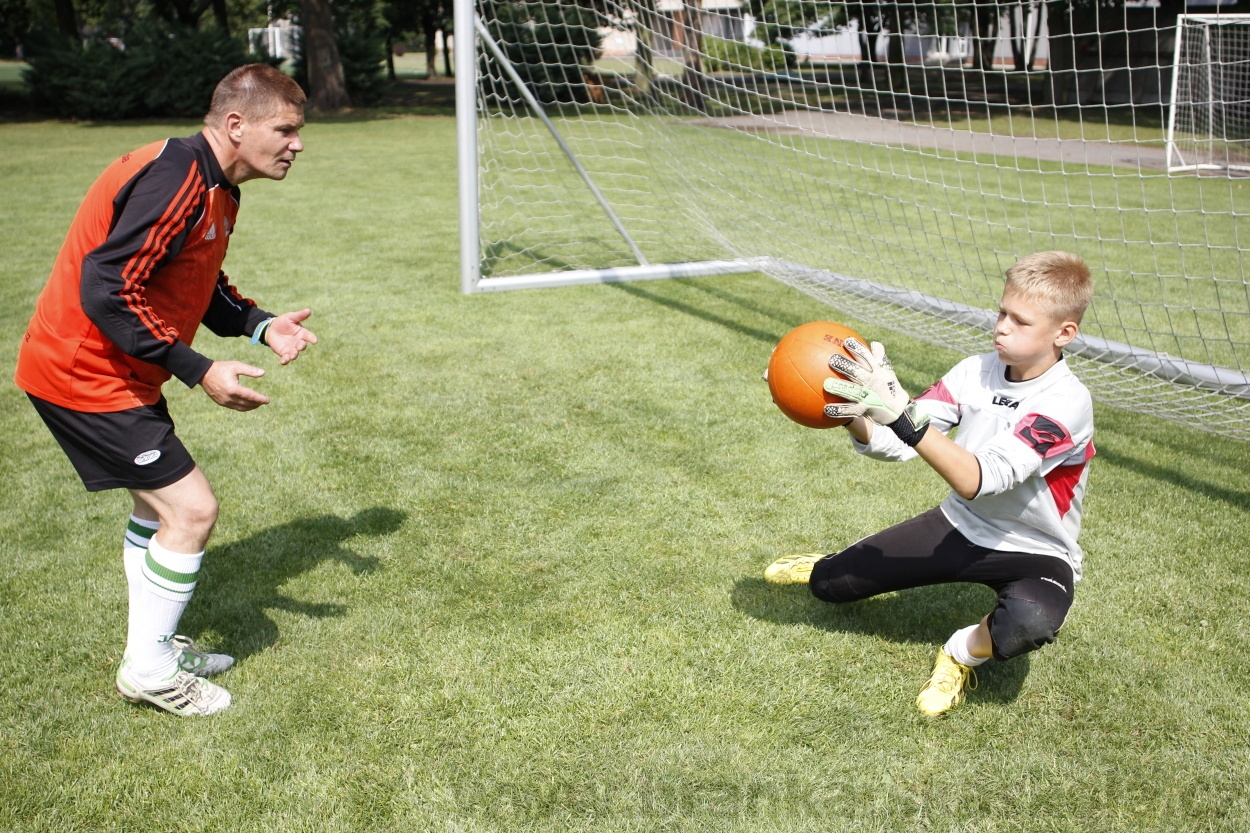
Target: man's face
(267,147)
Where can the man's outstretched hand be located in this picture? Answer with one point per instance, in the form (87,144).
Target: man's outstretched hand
(288,337)
(221,383)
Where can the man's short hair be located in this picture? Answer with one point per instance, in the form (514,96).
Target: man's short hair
(1060,280)
(256,92)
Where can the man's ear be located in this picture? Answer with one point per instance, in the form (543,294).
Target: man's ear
(234,126)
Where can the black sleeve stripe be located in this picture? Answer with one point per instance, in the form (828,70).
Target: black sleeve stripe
(140,267)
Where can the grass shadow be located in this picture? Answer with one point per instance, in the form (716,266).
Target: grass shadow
(921,615)
(767,336)
(242,580)
(786,318)
(1236,498)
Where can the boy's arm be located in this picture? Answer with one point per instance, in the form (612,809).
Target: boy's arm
(875,396)
(958,466)
(861,429)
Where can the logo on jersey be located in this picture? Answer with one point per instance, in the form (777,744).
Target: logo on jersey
(1044,435)
(212,232)
(1006,401)
(148,457)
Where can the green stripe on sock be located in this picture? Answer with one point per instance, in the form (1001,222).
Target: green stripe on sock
(141,531)
(168,574)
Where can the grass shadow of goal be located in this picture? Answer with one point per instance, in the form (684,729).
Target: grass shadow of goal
(920,615)
(242,580)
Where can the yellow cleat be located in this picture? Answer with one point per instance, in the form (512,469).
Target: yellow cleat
(793,569)
(945,688)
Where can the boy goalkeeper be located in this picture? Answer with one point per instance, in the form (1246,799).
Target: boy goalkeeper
(1018,469)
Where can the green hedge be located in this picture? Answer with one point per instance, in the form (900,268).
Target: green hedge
(736,56)
(163,71)
(551,48)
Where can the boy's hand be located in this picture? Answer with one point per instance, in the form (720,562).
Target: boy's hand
(872,370)
(874,392)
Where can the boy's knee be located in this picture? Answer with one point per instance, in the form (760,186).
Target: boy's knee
(1018,626)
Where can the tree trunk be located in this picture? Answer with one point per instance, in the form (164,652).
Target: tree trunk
(219,12)
(448,72)
(896,61)
(985,34)
(644,50)
(430,30)
(1017,36)
(325,68)
(1061,60)
(691,43)
(390,58)
(66,19)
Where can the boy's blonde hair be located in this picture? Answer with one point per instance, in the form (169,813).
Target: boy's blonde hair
(256,92)
(1060,280)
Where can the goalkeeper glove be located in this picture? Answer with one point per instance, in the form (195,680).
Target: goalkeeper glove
(874,391)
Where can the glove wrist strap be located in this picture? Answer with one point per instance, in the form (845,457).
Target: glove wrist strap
(911,425)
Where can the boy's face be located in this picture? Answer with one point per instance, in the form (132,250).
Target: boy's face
(1027,337)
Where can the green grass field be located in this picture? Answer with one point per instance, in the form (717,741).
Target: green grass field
(492,563)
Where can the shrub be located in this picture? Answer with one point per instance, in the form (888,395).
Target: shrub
(736,56)
(164,70)
(550,46)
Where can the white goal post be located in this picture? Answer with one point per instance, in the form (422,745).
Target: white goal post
(1209,114)
(891,167)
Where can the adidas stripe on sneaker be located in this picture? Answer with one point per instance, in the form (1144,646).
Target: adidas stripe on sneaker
(182,694)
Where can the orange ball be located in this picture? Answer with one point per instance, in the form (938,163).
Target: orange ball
(799,367)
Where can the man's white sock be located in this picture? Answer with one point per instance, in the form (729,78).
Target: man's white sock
(167,584)
(957,647)
(139,533)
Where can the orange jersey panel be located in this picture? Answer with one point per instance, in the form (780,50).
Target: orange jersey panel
(144,252)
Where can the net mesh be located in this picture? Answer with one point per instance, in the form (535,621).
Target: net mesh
(893,176)
(1210,114)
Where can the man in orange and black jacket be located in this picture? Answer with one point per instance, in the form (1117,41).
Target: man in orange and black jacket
(138,273)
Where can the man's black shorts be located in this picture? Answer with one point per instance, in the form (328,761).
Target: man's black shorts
(131,449)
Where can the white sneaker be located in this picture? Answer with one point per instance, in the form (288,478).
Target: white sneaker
(183,694)
(195,660)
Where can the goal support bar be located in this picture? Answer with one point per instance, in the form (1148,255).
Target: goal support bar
(620,274)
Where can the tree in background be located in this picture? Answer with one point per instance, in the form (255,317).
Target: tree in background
(189,12)
(66,19)
(778,21)
(550,46)
(323,66)
(339,60)
(16,20)
(109,59)
(164,70)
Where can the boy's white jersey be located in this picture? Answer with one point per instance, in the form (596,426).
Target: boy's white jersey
(1034,441)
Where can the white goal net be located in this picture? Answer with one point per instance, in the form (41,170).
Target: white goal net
(891,160)
(1209,118)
